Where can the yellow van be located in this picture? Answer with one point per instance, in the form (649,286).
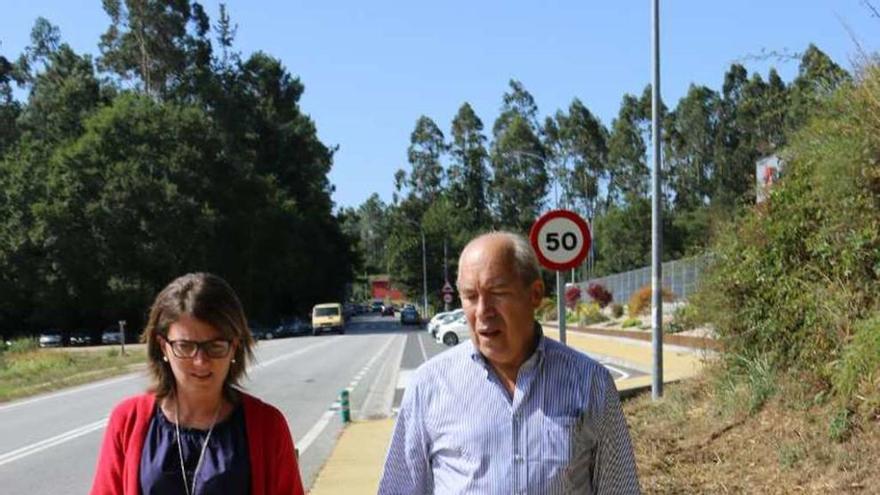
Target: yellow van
(327,317)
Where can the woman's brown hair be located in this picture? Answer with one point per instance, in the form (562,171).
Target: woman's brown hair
(207,298)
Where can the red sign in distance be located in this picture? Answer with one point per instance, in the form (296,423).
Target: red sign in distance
(561,239)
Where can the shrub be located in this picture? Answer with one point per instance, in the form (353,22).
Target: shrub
(857,371)
(631,322)
(572,296)
(23,344)
(600,294)
(616,310)
(683,318)
(640,300)
(546,310)
(589,313)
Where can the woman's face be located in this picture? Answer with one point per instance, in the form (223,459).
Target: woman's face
(201,373)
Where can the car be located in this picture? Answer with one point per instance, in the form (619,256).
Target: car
(454,331)
(388,310)
(327,317)
(409,316)
(376,307)
(293,326)
(260,331)
(51,338)
(441,318)
(81,337)
(111,335)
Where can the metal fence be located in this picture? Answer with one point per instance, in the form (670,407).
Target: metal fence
(679,276)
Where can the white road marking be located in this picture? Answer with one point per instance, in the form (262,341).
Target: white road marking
(309,438)
(51,442)
(33,448)
(422,345)
(69,391)
(618,370)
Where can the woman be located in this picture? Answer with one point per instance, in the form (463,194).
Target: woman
(195,432)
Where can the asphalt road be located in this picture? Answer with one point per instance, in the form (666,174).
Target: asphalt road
(49,443)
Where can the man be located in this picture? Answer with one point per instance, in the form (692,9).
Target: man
(510,412)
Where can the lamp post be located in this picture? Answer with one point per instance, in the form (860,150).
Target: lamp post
(424,277)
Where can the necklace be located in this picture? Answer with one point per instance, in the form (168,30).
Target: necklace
(186,484)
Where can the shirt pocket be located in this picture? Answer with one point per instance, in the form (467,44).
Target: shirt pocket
(556,439)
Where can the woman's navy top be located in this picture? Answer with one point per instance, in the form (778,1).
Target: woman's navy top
(225,469)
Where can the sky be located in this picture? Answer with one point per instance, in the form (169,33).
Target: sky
(370,69)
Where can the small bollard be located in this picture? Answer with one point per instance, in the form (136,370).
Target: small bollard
(344,408)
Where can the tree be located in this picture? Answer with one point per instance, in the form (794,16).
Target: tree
(627,168)
(468,175)
(818,77)
(426,147)
(519,171)
(690,147)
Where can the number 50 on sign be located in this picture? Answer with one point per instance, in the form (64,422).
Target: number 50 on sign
(561,239)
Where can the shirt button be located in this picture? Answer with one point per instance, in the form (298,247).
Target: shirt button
(517,458)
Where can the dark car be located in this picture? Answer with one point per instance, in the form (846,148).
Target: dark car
(409,316)
(388,310)
(111,335)
(291,327)
(51,338)
(376,307)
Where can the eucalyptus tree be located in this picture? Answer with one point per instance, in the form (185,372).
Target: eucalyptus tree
(468,176)
(427,146)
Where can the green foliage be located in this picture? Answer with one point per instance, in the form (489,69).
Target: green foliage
(746,385)
(791,275)
(840,426)
(631,322)
(588,314)
(856,374)
(547,310)
(616,310)
(22,345)
(684,318)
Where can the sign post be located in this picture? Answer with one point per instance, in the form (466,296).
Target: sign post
(561,240)
(122,335)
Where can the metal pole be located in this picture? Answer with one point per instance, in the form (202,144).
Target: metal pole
(424,277)
(657,240)
(560,305)
(445,277)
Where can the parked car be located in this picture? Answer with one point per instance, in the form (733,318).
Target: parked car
(441,318)
(81,337)
(376,307)
(293,326)
(260,331)
(327,317)
(388,310)
(409,316)
(453,331)
(111,335)
(51,338)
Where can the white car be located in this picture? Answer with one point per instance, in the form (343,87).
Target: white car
(454,331)
(441,318)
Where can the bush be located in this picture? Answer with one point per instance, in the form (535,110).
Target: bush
(683,318)
(856,373)
(631,322)
(616,310)
(640,301)
(600,294)
(589,314)
(23,344)
(546,310)
(572,296)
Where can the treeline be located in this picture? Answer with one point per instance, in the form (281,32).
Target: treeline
(474,179)
(168,153)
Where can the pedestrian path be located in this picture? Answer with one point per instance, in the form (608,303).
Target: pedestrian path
(355,465)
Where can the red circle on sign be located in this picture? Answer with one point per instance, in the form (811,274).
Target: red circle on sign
(581,225)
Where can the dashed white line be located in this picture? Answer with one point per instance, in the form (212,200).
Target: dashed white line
(51,442)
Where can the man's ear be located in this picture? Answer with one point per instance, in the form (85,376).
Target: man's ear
(536,293)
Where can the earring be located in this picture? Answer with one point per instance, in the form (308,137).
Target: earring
(165,358)
(233,360)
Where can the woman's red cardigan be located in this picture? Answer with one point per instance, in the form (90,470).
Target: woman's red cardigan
(274,470)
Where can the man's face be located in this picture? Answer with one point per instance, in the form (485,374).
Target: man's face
(497,305)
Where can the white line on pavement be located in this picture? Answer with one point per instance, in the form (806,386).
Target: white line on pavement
(282,357)
(324,420)
(422,345)
(618,370)
(69,391)
(403,378)
(51,442)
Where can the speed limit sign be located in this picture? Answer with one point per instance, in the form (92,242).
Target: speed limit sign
(561,239)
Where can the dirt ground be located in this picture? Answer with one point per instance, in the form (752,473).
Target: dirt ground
(697,441)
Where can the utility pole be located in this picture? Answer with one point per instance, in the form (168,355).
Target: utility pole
(656,222)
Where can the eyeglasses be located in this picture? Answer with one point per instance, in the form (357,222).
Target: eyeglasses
(187,349)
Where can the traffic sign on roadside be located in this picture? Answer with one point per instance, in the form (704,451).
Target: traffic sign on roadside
(561,239)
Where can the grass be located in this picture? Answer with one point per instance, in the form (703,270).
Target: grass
(696,439)
(26,369)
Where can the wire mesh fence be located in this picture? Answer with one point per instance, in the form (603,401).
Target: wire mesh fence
(679,276)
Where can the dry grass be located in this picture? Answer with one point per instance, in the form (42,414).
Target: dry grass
(692,442)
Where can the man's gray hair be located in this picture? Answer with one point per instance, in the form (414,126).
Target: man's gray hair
(525,263)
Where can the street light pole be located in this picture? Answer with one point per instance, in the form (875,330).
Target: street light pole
(424,277)
(657,241)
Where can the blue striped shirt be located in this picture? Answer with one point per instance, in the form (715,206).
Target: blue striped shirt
(460,431)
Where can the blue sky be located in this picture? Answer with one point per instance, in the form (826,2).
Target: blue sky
(370,69)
